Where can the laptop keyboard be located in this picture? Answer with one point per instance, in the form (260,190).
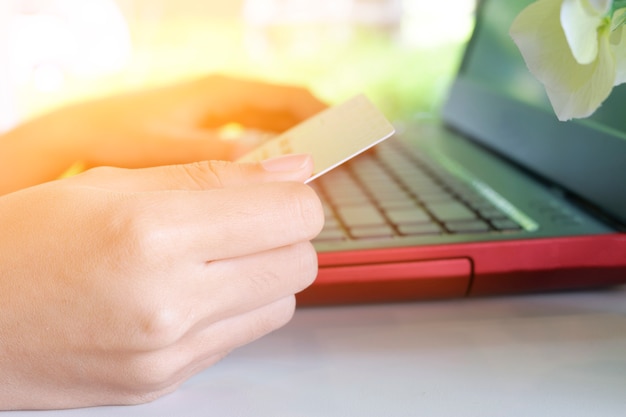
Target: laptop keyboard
(392,192)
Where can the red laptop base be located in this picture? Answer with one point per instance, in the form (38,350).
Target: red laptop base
(466,270)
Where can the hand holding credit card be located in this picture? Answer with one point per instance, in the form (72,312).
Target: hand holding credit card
(332,137)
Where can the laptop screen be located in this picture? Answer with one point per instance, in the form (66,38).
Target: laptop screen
(496,101)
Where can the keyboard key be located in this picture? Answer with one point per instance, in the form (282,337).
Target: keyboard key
(425,188)
(397,204)
(451,211)
(408,216)
(436,198)
(375,232)
(346,194)
(389,194)
(354,216)
(420,229)
(474,226)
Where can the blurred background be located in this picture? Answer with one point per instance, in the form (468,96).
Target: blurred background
(401,53)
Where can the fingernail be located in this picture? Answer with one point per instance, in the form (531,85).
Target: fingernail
(293,162)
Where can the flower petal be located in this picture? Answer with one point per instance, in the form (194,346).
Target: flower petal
(537,33)
(574,90)
(584,91)
(580,20)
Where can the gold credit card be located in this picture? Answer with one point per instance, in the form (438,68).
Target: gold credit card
(332,136)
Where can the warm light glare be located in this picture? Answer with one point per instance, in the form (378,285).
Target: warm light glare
(82,38)
(101,39)
(52,44)
(64,50)
(231,131)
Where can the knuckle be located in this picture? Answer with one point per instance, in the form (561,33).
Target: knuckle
(145,318)
(142,241)
(203,174)
(152,361)
(126,237)
(158,327)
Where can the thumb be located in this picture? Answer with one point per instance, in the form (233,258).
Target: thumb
(219,174)
(201,175)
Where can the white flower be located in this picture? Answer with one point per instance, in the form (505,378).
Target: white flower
(576,49)
(580,20)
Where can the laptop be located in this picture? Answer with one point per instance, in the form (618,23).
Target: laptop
(494,196)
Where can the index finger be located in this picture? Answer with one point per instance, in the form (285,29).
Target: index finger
(227,222)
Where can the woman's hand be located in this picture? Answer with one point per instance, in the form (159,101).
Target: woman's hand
(169,125)
(117,285)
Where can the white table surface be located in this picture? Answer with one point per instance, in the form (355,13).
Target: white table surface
(538,355)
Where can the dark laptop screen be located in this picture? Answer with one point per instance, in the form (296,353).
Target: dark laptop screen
(498,102)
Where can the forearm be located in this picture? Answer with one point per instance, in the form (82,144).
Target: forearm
(35,152)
